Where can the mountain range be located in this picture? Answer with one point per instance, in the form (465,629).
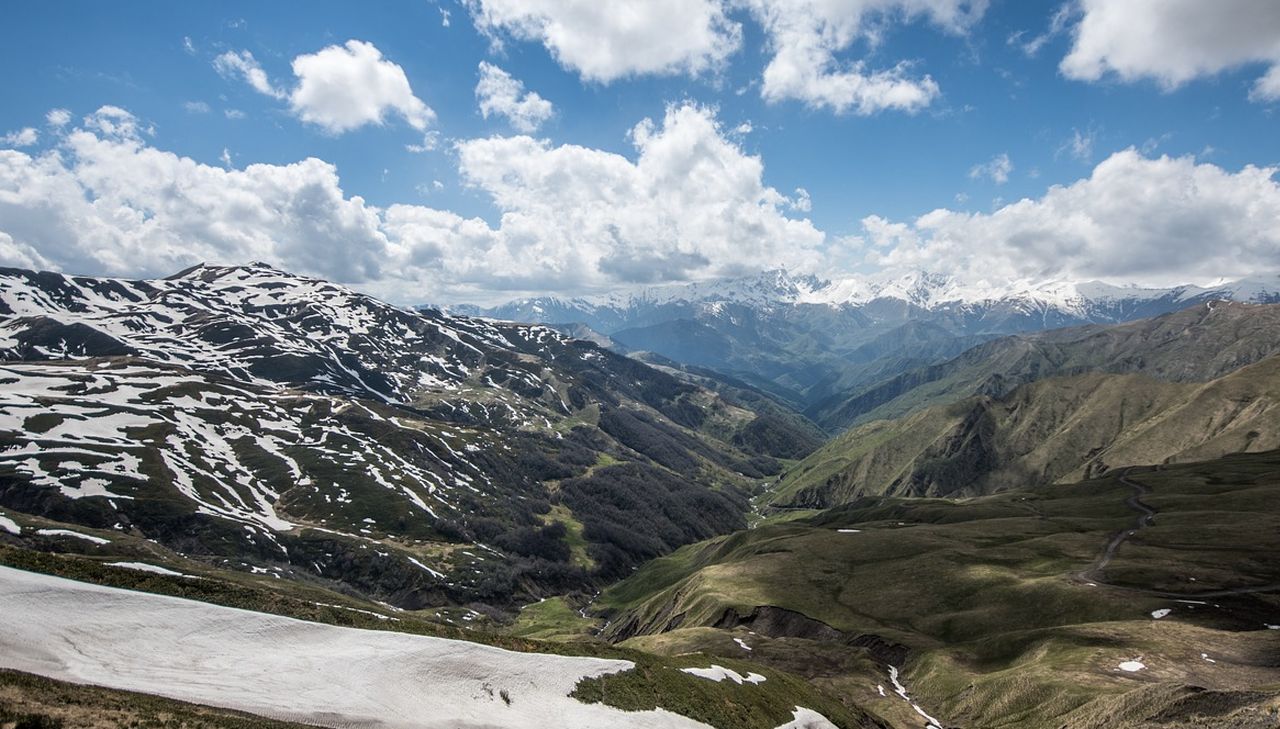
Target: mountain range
(287,424)
(810,340)
(779,502)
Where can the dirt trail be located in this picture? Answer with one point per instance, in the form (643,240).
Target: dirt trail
(1147,517)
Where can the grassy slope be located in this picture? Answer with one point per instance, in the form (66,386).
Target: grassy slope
(983,593)
(1054,430)
(1196,344)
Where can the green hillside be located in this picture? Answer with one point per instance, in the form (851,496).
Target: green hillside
(983,604)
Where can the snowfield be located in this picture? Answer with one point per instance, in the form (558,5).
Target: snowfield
(290,669)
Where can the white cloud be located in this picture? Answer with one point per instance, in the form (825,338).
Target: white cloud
(604,40)
(188,46)
(444,17)
(58,117)
(196,107)
(807,36)
(1267,88)
(1080,145)
(344,87)
(499,93)
(24,137)
(233,114)
(232,64)
(105,202)
(1175,41)
(339,88)
(801,201)
(112,121)
(997,170)
(689,204)
(1156,221)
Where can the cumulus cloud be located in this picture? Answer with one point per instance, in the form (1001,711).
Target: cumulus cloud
(24,137)
(344,87)
(1175,41)
(339,88)
(689,204)
(58,117)
(1153,220)
(498,93)
(105,202)
(604,40)
(807,36)
(997,170)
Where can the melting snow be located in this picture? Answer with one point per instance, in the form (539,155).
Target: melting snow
(292,670)
(898,688)
(9,525)
(803,718)
(1162,612)
(742,644)
(69,533)
(1132,666)
(144,567)
(719,673)
(849,531)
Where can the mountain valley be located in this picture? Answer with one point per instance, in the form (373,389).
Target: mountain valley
(958,544)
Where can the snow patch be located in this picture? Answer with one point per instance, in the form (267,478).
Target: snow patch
(69,533)
(1132,666)
(900,690)
(742,644)
(720,673)
(803,718)
(1162,612)
(144,567)
(9,525)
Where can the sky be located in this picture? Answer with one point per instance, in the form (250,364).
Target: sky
(480,150)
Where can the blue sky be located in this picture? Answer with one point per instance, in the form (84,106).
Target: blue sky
(1002,123)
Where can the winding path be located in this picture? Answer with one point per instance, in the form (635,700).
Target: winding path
(1146,517)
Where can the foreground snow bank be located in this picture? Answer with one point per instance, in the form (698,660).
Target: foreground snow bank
(290,669)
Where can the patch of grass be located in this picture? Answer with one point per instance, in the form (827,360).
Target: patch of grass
(552,619)
(659,683)
(578,546)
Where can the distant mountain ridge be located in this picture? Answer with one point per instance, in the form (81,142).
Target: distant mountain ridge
(1030,410)
(815,338)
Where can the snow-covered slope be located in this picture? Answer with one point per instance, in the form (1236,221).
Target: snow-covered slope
(293,670)
(249,415)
